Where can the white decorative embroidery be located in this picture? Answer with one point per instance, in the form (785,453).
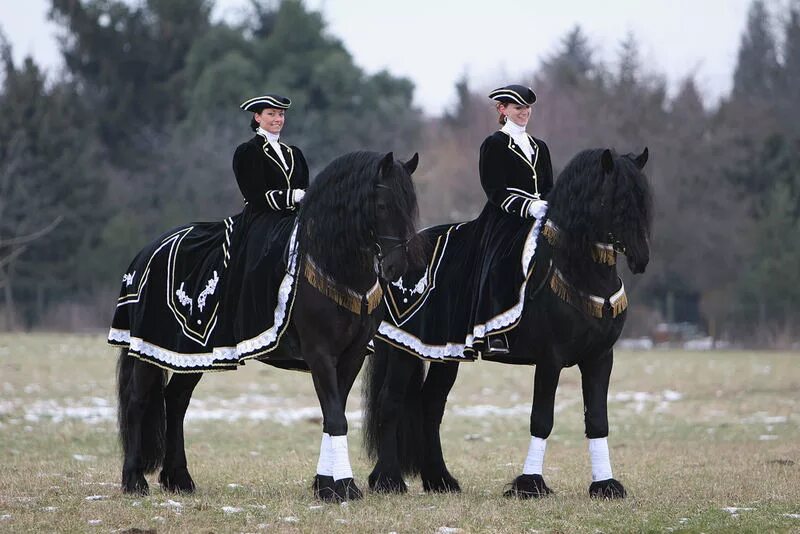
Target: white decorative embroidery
(243,350)
(211,286)
(184,298)
(127,279)
(418,289)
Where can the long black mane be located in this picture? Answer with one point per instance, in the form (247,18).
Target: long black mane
(338,212)
(588,204)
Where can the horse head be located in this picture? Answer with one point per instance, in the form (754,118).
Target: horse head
(626,203)
(395,212)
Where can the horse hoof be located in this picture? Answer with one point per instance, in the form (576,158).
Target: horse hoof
(346,490)
(382,483)
(323,487)
(136,485)
(528,487)
(607,489)
(444,483)
(177,481)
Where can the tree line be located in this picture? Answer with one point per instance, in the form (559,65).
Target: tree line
(136,135)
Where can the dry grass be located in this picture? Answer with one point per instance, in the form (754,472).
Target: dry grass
(730,439)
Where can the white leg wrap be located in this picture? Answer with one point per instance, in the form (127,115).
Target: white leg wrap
(325,463)
(601,463)
(341,459)
(535,459)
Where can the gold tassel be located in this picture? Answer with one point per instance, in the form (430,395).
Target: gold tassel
(604,254)
(374,299)
(620,305)
(550,232)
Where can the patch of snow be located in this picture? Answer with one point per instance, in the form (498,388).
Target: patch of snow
(792,516)
(733,510)
(231,509)
(290,519)
(97,497)
(84,457)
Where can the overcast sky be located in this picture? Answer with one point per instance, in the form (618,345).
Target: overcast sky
(434,42)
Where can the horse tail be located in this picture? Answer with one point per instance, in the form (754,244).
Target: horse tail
(410,442)
(154,418)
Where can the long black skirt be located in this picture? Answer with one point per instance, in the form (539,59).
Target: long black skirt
(472,287)
(207,296)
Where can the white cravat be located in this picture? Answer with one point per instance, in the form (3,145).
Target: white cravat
(519,135)
(272,139)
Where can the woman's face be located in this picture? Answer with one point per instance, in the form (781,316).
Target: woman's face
(517,114)
(270,119)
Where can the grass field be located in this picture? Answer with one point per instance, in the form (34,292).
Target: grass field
(704,442)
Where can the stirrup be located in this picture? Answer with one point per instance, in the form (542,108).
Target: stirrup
(497,346)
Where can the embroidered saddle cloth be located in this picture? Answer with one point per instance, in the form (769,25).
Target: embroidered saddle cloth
(472,287)
(207,296)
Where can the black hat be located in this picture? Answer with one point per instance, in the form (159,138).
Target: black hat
(267,101)
(514,94)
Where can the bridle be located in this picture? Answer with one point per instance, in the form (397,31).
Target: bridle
(383,251)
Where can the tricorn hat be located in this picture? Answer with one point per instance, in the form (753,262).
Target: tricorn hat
(514,94)
(267,101)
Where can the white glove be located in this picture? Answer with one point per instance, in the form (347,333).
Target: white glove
(297,195)
(537,209)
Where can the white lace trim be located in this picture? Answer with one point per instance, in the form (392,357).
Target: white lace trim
(456,350)
(242,350)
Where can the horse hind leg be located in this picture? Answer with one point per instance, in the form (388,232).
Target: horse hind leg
(141,420)
(395,432)
(438,383)
(175,473)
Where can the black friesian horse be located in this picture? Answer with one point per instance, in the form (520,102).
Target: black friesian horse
(601,204)
(355,222)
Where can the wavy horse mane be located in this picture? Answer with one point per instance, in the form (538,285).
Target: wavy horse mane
(338,212)
(589,204)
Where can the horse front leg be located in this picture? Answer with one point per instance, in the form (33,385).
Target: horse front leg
(595,376)
(334,480)
(435,476)
(175,473)
(531,483)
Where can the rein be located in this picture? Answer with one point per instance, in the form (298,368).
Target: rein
(603,253)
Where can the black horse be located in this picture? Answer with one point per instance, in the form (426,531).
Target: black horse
(600,205)
(355,222)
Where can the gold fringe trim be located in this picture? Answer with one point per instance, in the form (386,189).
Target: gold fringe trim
(601,252)
(592,304)
(343,296)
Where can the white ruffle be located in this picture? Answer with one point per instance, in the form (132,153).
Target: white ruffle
(508,317)
(242,350)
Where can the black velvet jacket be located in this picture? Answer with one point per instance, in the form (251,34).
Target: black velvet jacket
(510,179)
(262,178)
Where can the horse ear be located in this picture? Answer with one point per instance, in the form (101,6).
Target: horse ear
(641,159)
(411,165)
(607,159)
(386,164)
